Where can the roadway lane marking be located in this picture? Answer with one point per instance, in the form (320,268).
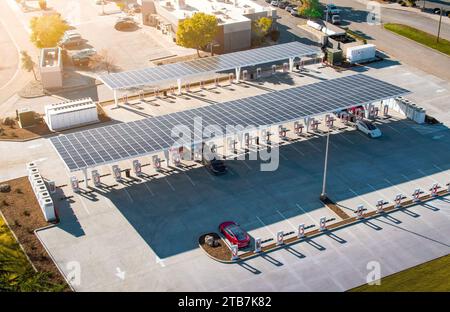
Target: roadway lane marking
(440,90)
(34,146)
(286,219)
(267,228)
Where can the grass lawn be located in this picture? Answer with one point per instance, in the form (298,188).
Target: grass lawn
(429,276)
(16,272)
(420,36)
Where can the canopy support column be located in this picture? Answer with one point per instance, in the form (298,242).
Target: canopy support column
(291,64)
(86,184)
(116,100)
(238,74)
(179,86)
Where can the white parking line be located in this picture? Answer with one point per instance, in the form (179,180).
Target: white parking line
(315,147)
(307,214)
(170,184)
(296,149)
(286,219)
(273,234)
(347,139)
(83,204)
(369,204)
(128,194)
(376,191)
(442,170)
(414,183)
(427,176)
(148,188)
(189,178)
(399,189)
(393,128)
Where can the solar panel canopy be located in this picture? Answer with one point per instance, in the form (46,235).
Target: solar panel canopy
(153,75)
(122,141)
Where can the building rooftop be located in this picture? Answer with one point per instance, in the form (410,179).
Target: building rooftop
(50,57)
(227,11)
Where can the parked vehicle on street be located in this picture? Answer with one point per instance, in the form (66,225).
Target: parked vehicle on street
(283,4)
(336,19)
(82,57)
(125,22)
(295,13)
(291,7)
(234,234)
(70,40)
(135,7)
(275,3)
(368,128)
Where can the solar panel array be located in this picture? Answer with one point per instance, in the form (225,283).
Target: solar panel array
(152,75)
(117,142)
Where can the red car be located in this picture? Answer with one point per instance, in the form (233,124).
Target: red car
(235,234)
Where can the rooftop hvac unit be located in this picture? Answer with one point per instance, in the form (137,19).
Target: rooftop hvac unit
(48,208)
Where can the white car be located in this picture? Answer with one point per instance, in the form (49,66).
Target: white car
(274,3)
(368,128)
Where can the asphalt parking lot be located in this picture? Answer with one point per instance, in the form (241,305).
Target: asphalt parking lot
(155,224)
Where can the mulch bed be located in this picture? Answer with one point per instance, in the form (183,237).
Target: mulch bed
(24,215)
(221,252)
(14,132)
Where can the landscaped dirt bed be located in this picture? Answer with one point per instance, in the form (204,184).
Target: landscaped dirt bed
(23,214)
(221,252)
(14,132)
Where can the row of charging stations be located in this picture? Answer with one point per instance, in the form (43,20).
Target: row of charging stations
(41,191)
(279,238)
(399,198)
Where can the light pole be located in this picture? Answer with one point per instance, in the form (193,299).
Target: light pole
(439,28)
(323,195)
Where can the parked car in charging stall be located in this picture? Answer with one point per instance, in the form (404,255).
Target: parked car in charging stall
(82,57)
(368,128)
(234,234)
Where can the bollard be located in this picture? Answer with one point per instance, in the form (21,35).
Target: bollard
(280,238)
(301,230)
(137,168)
(51,187)
(234,252)
(156,162)
(257,245)
(274,69)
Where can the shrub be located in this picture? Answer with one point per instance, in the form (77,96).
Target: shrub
(275,35)
(43,4)
(26,213)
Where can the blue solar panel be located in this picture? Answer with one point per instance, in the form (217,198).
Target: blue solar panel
(153,75)
(127,140)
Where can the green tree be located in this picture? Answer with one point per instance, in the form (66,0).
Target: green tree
(27,63)
(197,31)
(311,9)
(261,28)
(47,30)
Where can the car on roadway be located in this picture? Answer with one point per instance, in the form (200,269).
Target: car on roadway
(234,234)
(336,19)
(291,7)
(70,39)
(125,22)
(215,166)
(82,57)
(275,3)
(283,4)
(332,9)
(367,127)
(295,13)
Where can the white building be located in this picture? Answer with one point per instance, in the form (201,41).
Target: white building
(234,16)
(50,68)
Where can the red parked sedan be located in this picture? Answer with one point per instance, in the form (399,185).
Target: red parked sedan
(235,234)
